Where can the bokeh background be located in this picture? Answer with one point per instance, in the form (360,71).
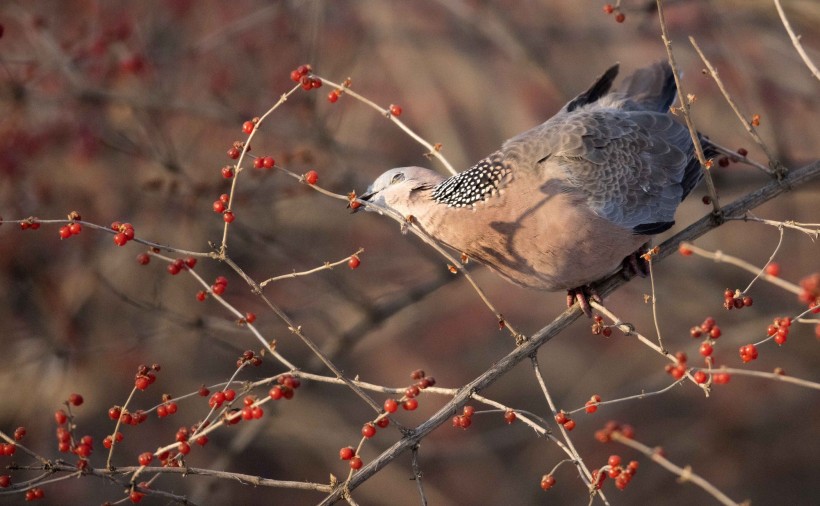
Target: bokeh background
(124,111)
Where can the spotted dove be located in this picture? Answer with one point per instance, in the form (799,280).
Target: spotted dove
(565,203)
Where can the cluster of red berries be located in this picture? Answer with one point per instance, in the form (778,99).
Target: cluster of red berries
(34,494)
(465,419)
(108,442)
(349,453)
(286,386)
(125,233)
(621,474)
(591,405)
(810,291)
(605,435)
(30,223)
(301,75)
(598,327)
(735,299)
(678,370)
(182,436)
(220,283)
(779,329)
(620,17)
(563,419)
(72,228)
(748,353)
(222,396)
(180,264)
(248,357)
(724,161)
(145,376)
(250,410)
(264,162)
(168,406)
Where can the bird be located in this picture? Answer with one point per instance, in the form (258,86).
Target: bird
(568,202)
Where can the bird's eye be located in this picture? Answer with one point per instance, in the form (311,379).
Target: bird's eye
(397,178)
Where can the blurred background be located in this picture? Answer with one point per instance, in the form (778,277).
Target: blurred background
(125,110)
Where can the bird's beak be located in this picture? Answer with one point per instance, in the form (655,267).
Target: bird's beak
(366,197)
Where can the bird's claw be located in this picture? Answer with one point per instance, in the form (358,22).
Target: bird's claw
(583,294)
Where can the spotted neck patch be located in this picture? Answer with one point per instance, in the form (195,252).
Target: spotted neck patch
(476,184)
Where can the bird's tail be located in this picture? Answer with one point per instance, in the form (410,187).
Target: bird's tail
(652,87)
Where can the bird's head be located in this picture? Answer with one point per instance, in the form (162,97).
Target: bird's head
(402,189)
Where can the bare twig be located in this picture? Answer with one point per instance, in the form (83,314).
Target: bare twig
(684,106)
(684,473)
(796,41)
(775,166)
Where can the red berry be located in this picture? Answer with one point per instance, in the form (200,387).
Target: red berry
(509,416)
(547,482)
(247,127)
(295,76)
(5,481)
(219,206)
(591,407)
(410,404)
(227,172)
(311,177)
(561,417)
(218,289)
(412,392)
(368,430)
(706,348)
(120,239)
(383,422)
(304,69)
(333,96)
(184,448)
(721,378)
(354,262)
(268,162)
(620,17)
(614,461)
(773,269)
(65,232)
(234,153)
(146,458)
(275,393)
(569,425)
(60,417)
(347,453)
(715,332)
(355,463)
(390,405)
(608,8)
(417,374)
(202,440)
(700,377)
(75,399)
(684,250)
(19,433)
(469,411)
(395,110)
(135,496)
(228,216)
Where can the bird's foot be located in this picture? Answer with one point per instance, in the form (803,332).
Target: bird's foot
(635,265)
(583,294)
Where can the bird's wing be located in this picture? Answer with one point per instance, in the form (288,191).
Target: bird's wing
(634,167)
(631,165)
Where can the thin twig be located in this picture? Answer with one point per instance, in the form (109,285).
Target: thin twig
(431,150)
(417,474)
(775,166)
(325,266)
(796,41)
(721,257)
(684,473)
(684,107)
